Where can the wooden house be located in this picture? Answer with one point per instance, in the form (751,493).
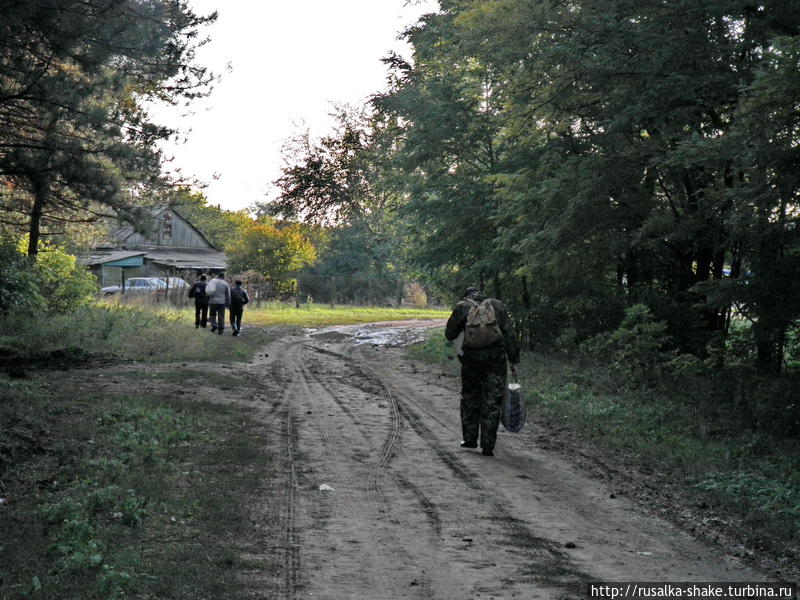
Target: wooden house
(171,247)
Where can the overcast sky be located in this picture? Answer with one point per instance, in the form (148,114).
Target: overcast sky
(290,60)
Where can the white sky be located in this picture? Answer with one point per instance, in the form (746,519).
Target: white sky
(291,59)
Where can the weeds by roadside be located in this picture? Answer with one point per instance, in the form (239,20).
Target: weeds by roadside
(118,332)
(109,492)
(123,496)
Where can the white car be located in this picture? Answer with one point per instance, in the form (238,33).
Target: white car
(174,283)
(137,285)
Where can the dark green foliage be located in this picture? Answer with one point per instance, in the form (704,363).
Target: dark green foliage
(64,285)
(51,281)
(76,142)
(18,289)
(637,349)
(576,159)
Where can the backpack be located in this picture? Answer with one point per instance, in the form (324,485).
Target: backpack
(197,291)
(482,329)
(512,414)
(238,296)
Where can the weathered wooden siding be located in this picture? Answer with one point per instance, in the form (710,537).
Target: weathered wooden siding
(170,229)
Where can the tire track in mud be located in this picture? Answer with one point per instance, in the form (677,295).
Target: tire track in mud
(291,559)
(428,507)
(347,412)
(283,372)
(545,564)
(374,489)
(553,567)
(375,495)
(278,374)
(352,355)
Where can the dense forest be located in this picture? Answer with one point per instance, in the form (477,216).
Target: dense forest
(617,172)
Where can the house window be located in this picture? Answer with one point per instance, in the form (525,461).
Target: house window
(166,228)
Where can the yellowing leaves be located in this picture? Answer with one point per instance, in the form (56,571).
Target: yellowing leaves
(272,248)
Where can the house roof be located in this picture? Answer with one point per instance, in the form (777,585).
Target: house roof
(99,257)
(188,258)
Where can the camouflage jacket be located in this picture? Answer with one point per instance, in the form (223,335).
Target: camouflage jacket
(458,320)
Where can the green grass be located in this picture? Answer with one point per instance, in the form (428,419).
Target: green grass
(319,315)
(435,349)
(123,496)
(673,432)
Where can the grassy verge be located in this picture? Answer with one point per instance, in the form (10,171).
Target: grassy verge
(118,332)
(435,349)
(671,433)
(155,334)
(122,496)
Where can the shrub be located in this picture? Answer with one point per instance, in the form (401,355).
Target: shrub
(19,291)
(65,285)
(637,348)
(54,281)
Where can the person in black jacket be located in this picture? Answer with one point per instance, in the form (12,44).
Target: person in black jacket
(238,299)
(489,342)
(198,292)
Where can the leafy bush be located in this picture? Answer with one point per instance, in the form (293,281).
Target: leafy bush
(53,282)
(637,348)
(19,291)
(64,284)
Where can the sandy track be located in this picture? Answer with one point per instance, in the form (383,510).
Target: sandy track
(375,499)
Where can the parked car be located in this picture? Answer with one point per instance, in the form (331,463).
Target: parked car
(175,283)
(136,285)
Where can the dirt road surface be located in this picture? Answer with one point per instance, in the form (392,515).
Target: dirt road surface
(374,498)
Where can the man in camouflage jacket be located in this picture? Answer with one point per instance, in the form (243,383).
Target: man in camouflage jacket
(483,373)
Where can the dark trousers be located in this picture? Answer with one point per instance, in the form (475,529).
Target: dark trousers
(200,314)
(483,384)
(217,312)
(236,316)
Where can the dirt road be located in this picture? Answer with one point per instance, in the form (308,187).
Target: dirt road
(376,500)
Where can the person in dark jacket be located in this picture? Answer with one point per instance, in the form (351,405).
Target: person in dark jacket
(238,299)
(484,365)
(198,292)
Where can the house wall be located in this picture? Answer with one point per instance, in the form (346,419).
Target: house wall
(152,269)
(107,276)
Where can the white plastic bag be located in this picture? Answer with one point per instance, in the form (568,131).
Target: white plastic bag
(513,413)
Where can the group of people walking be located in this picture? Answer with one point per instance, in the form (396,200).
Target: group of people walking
(211,298)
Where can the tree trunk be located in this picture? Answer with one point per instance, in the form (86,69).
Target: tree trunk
(769,350)
(37,210)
